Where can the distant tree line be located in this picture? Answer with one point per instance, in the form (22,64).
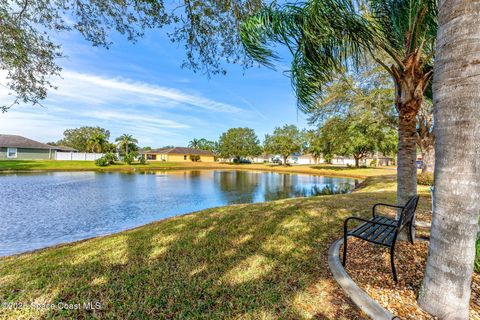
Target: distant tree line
(353,135)
(97,139)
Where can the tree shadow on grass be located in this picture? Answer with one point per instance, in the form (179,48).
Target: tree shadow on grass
(266,260)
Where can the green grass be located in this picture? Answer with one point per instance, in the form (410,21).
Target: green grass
(252,261)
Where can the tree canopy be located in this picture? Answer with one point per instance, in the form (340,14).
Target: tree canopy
(239,143)
(127,143)
(284,141)
(29,53)
(97,143)
(82,138)
(203,144)
(355,136)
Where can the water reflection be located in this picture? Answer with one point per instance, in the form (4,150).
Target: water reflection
(40,210)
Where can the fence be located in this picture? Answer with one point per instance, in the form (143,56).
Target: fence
(79,156)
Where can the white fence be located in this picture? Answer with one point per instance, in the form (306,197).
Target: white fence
(79,156)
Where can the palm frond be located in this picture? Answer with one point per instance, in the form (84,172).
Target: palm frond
(272,25)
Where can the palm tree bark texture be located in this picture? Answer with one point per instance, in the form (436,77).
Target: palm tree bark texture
(445,291)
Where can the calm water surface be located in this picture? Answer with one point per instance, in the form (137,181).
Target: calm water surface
(40,210)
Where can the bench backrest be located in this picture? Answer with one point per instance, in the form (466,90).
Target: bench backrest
(408,212)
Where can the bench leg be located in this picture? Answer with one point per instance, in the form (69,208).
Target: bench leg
(410,232)
(392,262)
(344,249)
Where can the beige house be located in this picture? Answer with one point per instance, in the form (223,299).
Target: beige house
(178,154)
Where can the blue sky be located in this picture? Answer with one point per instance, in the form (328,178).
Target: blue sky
(140,89)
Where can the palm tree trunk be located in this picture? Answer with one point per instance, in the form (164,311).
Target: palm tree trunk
(407,154)
(445,290)
(428,158)
(410,83)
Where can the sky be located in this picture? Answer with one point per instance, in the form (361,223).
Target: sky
(141,89)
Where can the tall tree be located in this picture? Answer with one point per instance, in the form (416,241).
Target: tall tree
(326,36)
(127,142)
(78,138)
(445,292)
(28,52)
(314,144)
(284,141)
(194,143)
(202,144)
(367,91)
(355,136)
(239,143)
(97,142)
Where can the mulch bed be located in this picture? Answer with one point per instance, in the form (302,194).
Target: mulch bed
(369,267)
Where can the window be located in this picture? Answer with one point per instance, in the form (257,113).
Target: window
(151,157)
(11,153)
(185,157)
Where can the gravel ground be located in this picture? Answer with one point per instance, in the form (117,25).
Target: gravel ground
(369,267)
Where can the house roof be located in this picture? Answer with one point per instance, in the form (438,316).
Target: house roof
(64,148)
(178,150)
(14,141)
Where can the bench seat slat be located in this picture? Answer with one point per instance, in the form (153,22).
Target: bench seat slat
(374,227)
(381,237)
(375,232)
(364,227)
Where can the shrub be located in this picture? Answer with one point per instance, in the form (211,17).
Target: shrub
(425,179)
(373,163)
(194,157)
(143,160)
(110,157)
(129,158)
(102,162)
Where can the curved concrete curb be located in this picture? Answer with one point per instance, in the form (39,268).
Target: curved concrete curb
(372,308)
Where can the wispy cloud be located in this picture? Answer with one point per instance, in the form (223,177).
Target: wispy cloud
(94,89)
(155,114)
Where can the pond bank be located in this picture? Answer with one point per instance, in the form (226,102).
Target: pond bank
(15,166)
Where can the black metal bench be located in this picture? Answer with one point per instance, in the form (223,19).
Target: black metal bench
(382,230)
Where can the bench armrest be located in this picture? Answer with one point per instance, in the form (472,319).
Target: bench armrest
(385,205)
(345,223)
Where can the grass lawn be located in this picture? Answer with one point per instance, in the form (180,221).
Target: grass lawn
(252,261)
(54,165)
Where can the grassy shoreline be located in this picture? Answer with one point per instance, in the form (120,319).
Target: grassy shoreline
(19,166)
(264,260)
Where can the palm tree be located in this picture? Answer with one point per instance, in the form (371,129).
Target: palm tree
(126,141)
(97,142)
(445,291)
(326,36)
(194,143)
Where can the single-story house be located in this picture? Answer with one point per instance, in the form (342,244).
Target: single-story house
(262,158)
(298,158)
(20,148)
(178,154)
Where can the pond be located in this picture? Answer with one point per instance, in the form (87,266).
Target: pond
(44,209)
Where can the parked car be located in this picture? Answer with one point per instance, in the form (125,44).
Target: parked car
(419,164)
(245,161)
(276,160)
